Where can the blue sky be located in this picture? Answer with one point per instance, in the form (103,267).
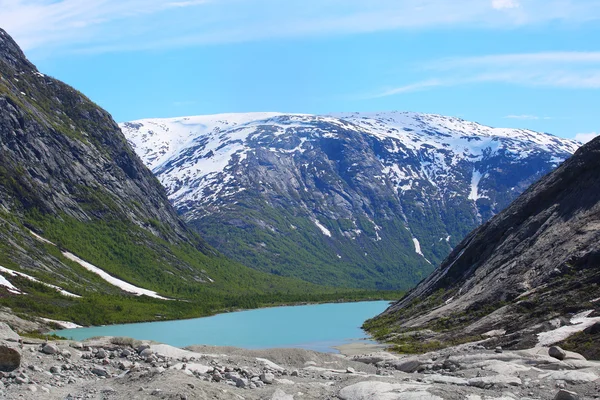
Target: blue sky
(514,63)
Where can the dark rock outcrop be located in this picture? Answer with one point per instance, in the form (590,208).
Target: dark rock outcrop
(527,270)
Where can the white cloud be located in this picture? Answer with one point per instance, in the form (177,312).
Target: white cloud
(125,25)
(504,4)
(586,137)
(567,70)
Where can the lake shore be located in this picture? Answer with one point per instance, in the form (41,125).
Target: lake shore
(126,369)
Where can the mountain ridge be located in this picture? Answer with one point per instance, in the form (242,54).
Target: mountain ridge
(265,187)
(529,270)
(75,198)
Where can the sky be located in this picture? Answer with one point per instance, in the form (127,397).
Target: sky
(509,63)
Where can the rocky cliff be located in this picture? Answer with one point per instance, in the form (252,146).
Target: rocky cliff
(530,275)
(373,200)
(80,211)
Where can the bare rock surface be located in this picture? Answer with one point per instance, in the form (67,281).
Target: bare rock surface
(467,372)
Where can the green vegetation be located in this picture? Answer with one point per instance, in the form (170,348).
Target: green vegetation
(283,241)
(71,177)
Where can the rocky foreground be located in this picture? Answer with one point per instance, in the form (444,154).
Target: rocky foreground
(122,368)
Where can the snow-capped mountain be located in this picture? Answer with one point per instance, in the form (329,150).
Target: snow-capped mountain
(367,199)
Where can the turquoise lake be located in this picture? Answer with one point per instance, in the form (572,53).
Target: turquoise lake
(314,327)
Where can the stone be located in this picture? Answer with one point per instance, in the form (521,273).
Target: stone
(50,348)
(371,390)
(446,380)
(594,329)
(55,369)
(267,378)
(10,356)
(408,364)
(499,350)
(125,353)
(146,353)
(100,371)
(142,347)
(566,395)
(66,353)
(496,380)
(101,353)
(557,353)
(281,395)
(350,370)
(294,373)
(6,333)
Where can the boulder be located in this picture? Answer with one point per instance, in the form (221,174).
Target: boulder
(281,395)
(566,395)
(7,334)
(50,348)
(100,371)
(10,356)
(267,378)
(557,353)
(146,353)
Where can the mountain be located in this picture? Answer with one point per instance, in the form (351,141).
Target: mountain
(371,200)
(86,229)
(533,268)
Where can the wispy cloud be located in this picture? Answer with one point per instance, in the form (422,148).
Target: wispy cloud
(569,70)
(586,137)
(505,4)
(123,25)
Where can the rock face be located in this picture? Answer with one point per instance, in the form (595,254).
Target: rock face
(71,183)
(10,354)
(370,200)
(530,269)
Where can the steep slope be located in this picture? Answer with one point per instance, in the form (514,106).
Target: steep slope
(530,269)
(73,192)
(364,200)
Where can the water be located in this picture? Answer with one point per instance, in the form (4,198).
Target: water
(314,327)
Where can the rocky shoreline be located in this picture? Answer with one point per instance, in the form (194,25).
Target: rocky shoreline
(123,368)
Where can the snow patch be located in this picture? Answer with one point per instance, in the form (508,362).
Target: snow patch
(418,249)
(475,179)
(9,286)
(579,323)
(62,324)
(323,229)
(31,278)
(127,287)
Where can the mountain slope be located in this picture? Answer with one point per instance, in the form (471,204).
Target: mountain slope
(364,200)
(528,270)
(73,191)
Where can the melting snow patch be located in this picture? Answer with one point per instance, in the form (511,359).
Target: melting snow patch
(325,231)
(9,286)
(418,249)
(41,239)
(31,278)
(127,287)
(417,246)
(63,324)
(474,195)
(579,322)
